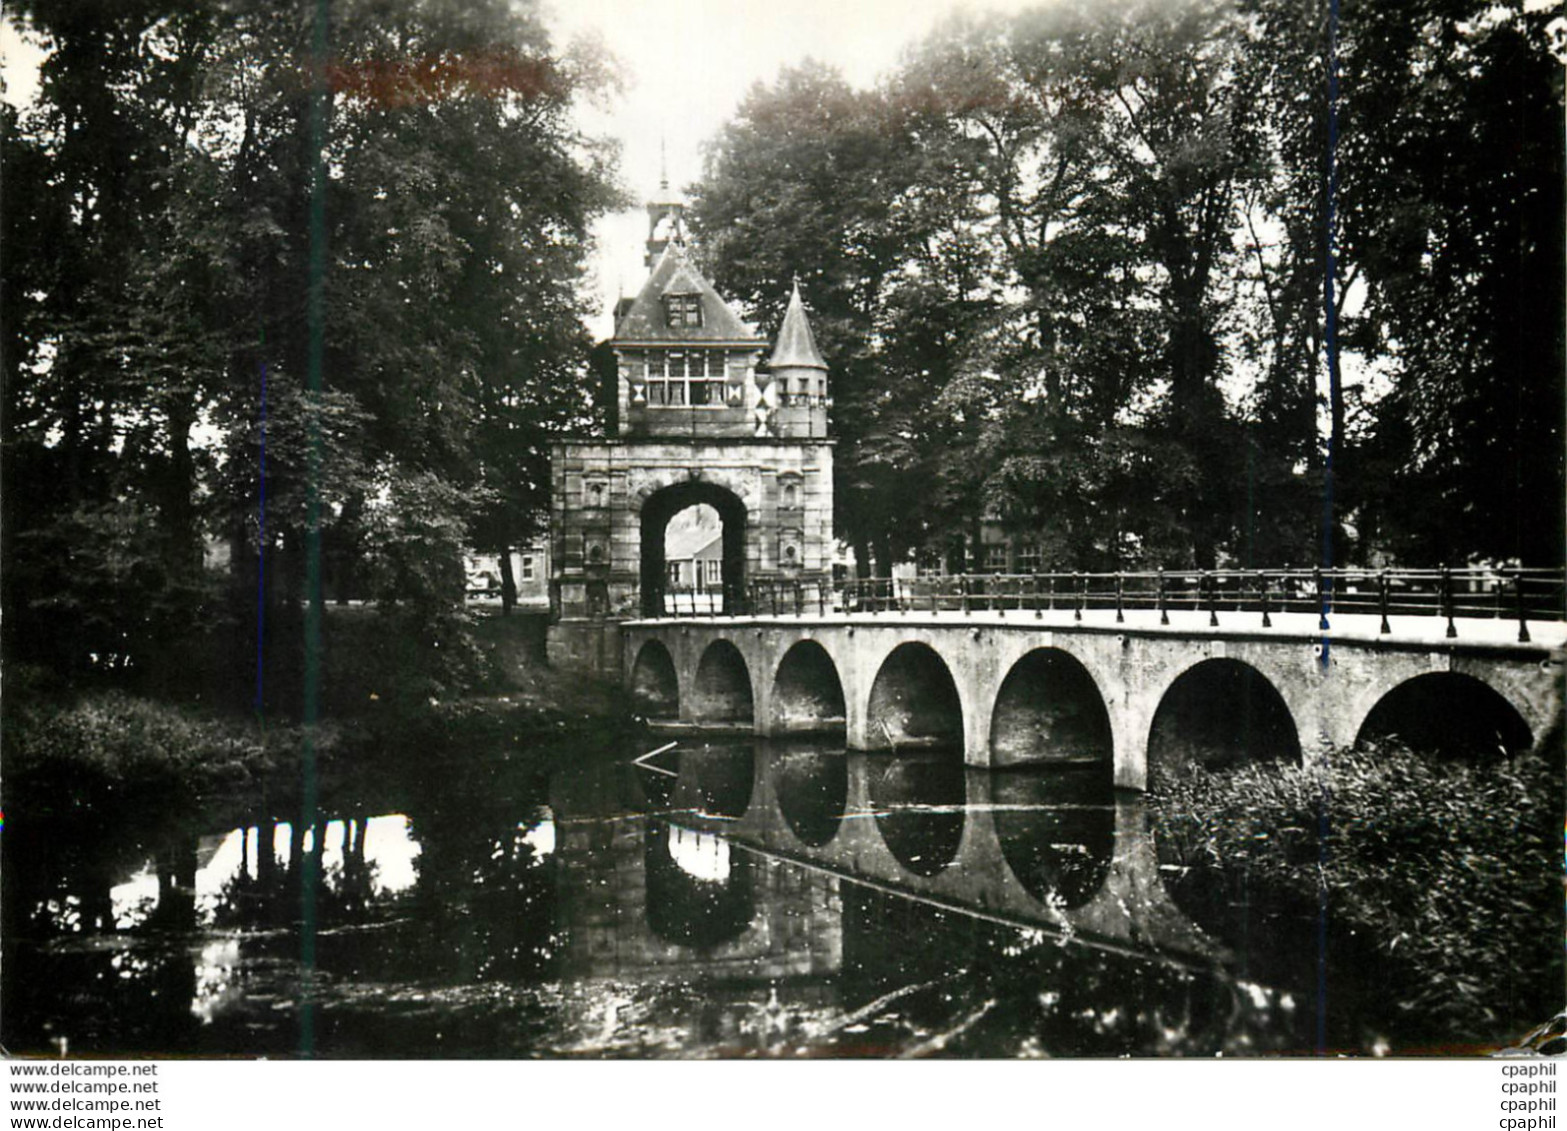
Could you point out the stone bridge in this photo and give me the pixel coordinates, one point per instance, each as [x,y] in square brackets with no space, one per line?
[1054,686]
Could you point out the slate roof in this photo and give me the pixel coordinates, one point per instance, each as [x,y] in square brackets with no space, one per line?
[644,322]
[796,346]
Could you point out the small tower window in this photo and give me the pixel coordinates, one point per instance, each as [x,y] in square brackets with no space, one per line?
[683,310]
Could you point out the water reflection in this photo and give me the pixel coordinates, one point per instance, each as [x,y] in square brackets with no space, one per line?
[812,787]
[716,780]
[738,899]
[1056,830]
[699,894]
[919,798]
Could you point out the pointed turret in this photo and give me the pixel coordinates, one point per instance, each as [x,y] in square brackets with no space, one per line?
[799,374]
[796,345]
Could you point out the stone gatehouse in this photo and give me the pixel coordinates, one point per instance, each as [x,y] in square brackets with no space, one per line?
[707,415]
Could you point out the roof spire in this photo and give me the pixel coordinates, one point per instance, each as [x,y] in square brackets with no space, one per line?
[796,345]
[663,166]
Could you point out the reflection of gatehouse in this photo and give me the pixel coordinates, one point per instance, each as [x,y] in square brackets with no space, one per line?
[698,420]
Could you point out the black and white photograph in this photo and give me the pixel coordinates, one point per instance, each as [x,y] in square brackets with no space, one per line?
[797,530]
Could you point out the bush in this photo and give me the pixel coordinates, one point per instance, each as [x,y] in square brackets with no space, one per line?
[1450,871]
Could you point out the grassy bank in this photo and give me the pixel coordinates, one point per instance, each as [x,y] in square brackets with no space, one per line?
[1447,876]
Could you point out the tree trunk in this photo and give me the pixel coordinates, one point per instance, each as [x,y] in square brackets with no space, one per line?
[508,583]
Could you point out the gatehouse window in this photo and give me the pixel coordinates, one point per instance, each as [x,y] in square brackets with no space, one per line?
[686,377]
[683,310]
[527,567]
[1028,558]
[996,557]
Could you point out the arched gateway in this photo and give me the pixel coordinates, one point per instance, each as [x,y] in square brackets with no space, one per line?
[699,418]
[658,596]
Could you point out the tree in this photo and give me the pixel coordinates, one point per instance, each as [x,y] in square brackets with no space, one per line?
[1452,202]
[815,181]
[284,290]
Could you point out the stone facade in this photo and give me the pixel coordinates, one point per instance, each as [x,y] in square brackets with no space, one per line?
[701,420]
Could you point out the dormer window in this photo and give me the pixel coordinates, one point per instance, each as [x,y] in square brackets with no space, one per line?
[683,310]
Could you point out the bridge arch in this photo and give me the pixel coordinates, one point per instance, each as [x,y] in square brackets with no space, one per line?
[913,701]
[662,505]
[655,686]
[807,691]
[1221,712]
[1451,714]
[721,691]
[1049,709]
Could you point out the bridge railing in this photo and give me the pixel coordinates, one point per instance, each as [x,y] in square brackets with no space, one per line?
[1520,595]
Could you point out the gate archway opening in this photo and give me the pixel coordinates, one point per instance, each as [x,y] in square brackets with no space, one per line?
[1049,711]
[1218,714]
[658,598]
[1447,714]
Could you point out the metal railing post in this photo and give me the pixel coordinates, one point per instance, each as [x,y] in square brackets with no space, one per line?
[1082,594]
[1523,623]
[1262,586]
[1322,601]
[1120,594]
[963,592]
[1164,613]
[1211,583]
[1383,586]
[1447,601]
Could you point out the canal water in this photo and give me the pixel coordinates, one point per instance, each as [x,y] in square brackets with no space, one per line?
[701,899]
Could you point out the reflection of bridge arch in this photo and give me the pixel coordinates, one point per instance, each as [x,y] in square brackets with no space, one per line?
[1221,712]
[812,788]
[1049,709]
[715,781]
[655,686]
[918,801]
[1447,713]
[807,691]
[1093,874]
[721,691]
[1056,831]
